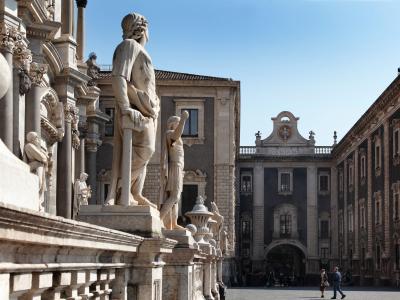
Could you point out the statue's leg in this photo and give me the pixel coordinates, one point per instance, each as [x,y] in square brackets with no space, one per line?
[143,149]
[174,216]
[167,206]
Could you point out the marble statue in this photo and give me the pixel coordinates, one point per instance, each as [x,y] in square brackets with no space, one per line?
[82,192]
[93,69]
[5,76]
[38,159]
[173,170]
[220,221]
[137,108]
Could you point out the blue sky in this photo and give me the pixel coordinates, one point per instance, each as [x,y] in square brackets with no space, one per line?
[324,60]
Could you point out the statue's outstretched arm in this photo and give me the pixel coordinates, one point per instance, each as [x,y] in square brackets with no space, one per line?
[177,133]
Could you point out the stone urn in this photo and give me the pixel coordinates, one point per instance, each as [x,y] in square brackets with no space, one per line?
[200,216]
[5,76]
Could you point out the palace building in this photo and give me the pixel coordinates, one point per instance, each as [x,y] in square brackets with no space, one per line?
[303,207]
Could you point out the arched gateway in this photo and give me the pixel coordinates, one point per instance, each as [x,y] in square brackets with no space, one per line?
[286,263]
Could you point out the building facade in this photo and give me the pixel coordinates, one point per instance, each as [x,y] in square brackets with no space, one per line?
[302,207]
[284,204]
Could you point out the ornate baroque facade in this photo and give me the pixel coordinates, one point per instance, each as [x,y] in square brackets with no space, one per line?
[56,124]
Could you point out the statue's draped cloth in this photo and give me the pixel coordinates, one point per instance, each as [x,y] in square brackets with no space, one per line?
[132,62]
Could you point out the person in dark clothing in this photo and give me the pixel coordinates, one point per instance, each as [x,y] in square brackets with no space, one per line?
[337,280]
[324,282]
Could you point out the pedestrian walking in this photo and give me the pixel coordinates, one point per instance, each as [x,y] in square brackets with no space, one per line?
[324,282]
[337,281]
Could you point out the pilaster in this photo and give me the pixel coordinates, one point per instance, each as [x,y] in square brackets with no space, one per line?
[312,212]
[345,213]
[334,214]
[356,224]
[369,200]
[386,199]
[258,213]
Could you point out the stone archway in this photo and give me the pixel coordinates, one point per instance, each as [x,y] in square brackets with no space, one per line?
[287,262]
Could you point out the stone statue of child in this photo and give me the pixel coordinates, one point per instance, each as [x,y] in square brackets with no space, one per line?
[38,159]
[173,170]
[82,192]
[134,86]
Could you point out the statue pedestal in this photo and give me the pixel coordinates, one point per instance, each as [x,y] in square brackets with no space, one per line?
[139,220]
[183,277]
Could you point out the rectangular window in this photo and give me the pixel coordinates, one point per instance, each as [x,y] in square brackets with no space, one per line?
[109,126]
[246,185]
[363,173]
[341,181]
[246,228]
[324,252]
[350,219]
[286,225]
[285,182]
[362,216]
[350,175]
[323,183]
[191,125]
[377,212]
[377,157]
[324,230]
[378,257]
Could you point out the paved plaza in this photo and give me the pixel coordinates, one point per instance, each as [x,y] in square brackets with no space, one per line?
[309,293]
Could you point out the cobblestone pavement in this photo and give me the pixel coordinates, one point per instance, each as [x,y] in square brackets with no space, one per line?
[310,294]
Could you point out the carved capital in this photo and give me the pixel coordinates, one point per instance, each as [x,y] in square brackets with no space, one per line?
[36,72]
[22,56]
[81,3]
[70,111]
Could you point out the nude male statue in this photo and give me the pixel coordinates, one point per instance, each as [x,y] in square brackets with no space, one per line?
[37,158]
[173,170]
[133,82]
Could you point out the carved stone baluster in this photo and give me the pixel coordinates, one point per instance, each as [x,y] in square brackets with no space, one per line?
[40,283]
[77,280]
[84,291]
[61,280]
[20,284]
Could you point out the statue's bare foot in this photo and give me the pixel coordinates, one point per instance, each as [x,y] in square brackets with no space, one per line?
[109,202]
[179,227]
[143,201]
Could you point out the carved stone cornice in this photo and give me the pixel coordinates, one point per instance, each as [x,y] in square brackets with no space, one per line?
[36,72]
[81,3]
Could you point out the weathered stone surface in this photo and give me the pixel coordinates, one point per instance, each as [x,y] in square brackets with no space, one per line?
[13,172]
[141,220]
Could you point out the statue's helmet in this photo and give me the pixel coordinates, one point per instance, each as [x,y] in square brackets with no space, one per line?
[134,26]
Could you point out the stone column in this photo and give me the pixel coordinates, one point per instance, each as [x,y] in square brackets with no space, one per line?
[334,214]
[80,32]
[91,158]
[312,213]
[345,224]
[386,199]
[67,17]
[369,199]
[32,99]
[64,167]
[258,214]
[6,103]
[356,225]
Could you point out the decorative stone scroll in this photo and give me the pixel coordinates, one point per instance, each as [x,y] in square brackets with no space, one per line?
[71,113]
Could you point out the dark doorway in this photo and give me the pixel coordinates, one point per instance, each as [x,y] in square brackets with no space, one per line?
[286,266]
[189,195]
